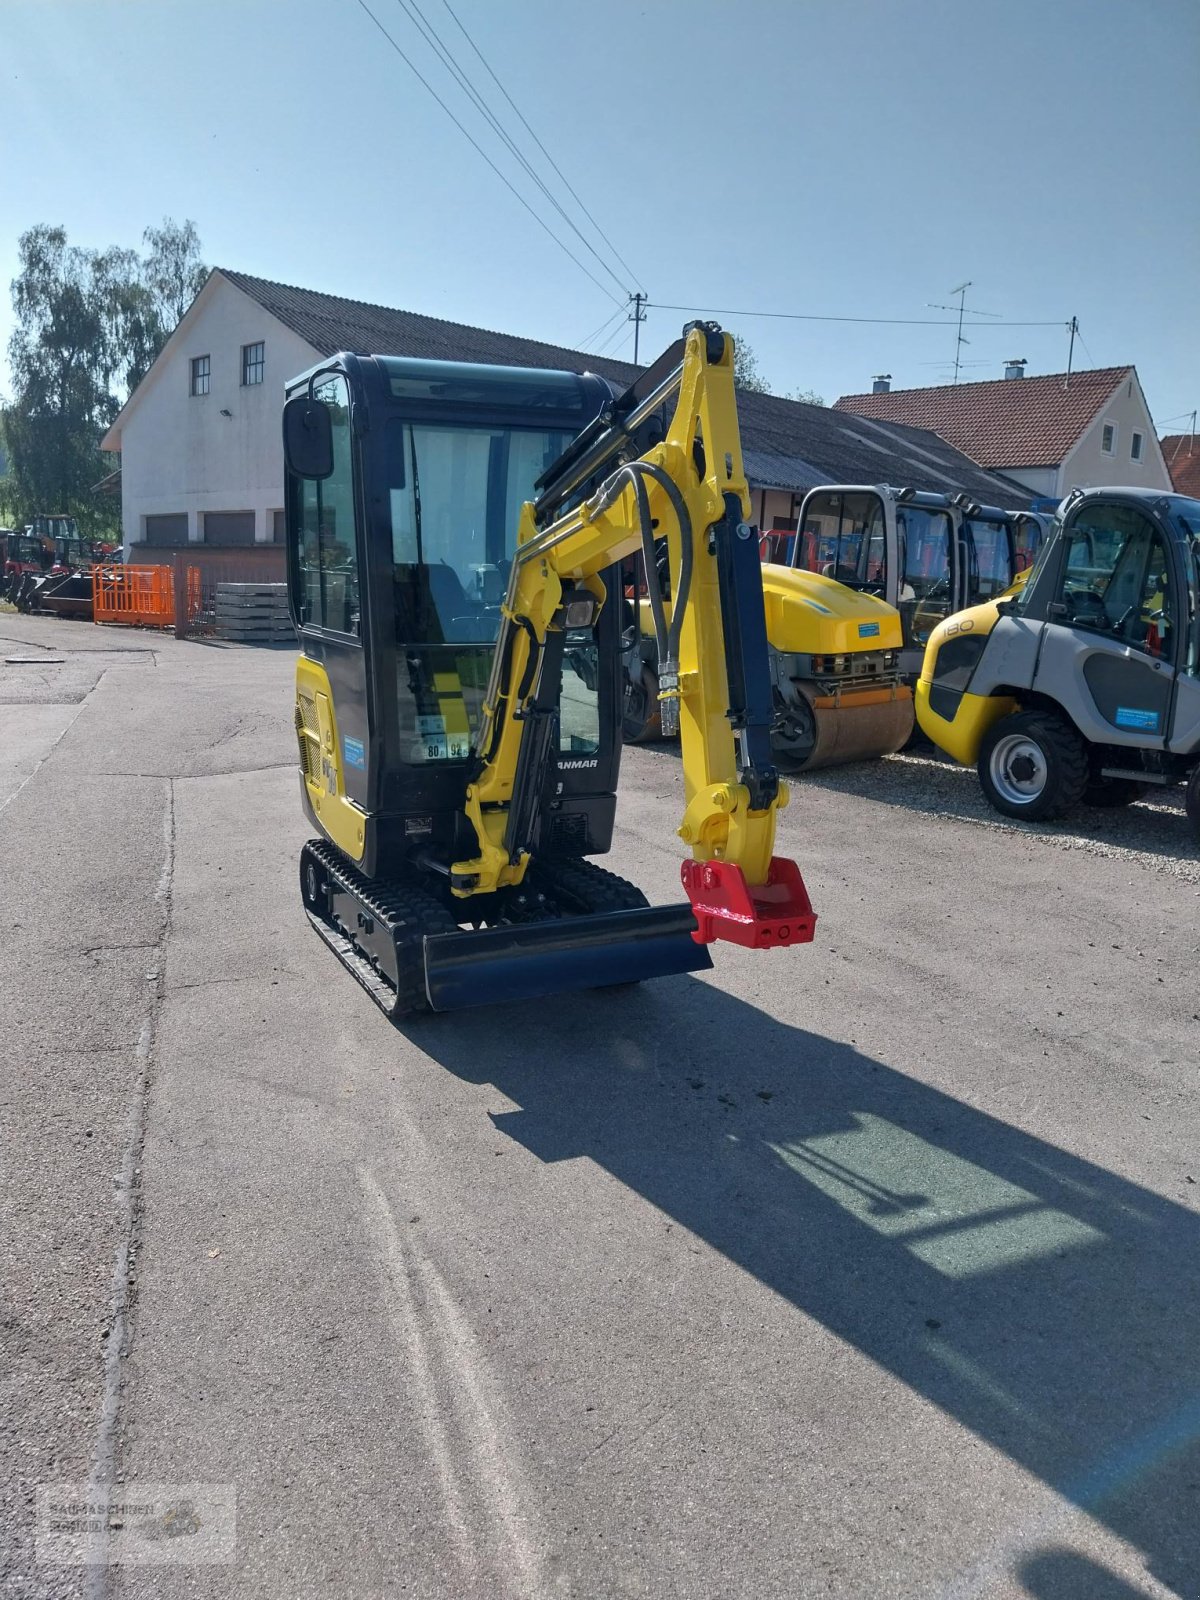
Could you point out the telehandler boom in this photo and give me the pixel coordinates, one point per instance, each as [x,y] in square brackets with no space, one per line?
[458,697]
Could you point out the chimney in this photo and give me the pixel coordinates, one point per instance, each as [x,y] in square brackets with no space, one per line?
[1015,368]
[881,383]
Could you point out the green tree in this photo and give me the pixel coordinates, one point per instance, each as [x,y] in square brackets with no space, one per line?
[173,271]
[61,354]
[745,368]
[809,397]
[89,323]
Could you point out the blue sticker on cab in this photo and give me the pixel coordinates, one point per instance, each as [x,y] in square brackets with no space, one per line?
[868,630]
[354,752]
[1135,717]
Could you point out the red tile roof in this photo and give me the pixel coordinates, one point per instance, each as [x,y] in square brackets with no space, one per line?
[1181,452]
[1008,422]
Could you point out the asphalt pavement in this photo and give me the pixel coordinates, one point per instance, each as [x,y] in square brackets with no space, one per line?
[869,1269]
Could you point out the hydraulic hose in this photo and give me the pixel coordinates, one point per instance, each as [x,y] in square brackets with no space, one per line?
[666,637]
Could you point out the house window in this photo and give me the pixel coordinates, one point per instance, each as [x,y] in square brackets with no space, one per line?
[252,363]
[1135,447]
[1108,439]
[200,371]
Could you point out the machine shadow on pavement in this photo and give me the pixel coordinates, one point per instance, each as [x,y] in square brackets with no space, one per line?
[1048,1305]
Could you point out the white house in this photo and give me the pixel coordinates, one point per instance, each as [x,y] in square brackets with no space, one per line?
[199,438]
[1054,432]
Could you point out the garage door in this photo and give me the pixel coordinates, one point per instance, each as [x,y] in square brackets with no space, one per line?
[167,529]
[229,527]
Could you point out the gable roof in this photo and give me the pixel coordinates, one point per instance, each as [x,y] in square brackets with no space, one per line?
[786,444]
[1181,452]
[1005,422]
[331,323]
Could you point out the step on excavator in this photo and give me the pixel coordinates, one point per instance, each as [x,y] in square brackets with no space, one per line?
[852,595]
[1085,685]
[454,541]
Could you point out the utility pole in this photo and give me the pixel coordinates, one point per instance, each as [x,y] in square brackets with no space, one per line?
[637,317]
[1074,327]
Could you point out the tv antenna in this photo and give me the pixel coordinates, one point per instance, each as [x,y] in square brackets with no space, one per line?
[959,341]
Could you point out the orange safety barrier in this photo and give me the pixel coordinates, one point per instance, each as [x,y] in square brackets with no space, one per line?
[142,596]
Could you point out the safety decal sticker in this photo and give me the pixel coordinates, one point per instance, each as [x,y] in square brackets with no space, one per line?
[1135,717]
[868,630]
[431,727]
[354,752]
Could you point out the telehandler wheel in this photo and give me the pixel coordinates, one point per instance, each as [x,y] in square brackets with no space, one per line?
[1033,765]
[1109,793]
[1192,801]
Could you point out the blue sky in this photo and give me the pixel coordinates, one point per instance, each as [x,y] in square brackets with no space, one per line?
[837,157]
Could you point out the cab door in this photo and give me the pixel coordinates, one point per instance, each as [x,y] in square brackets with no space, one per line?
[1112,631]
[928,576]
[325,558]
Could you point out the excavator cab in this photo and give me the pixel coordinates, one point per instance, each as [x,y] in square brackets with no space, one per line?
[398,562]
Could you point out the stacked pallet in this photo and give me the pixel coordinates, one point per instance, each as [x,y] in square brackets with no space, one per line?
[253,613]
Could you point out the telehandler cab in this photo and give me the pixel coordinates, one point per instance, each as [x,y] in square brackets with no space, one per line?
[458,696]
[1086,684]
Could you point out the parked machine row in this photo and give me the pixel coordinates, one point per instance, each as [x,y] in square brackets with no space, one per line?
[852,597]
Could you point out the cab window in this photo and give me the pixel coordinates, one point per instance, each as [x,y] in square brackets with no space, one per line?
[1117,579]
[993,558]
[843,538]
[327,552]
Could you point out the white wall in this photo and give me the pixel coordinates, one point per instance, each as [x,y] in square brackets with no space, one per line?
[1087,466]
[1038,480]
[178,453]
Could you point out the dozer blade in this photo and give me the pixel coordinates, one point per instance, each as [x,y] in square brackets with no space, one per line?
[533,960]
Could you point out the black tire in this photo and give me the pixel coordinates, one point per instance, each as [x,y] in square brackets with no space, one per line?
[1191,800]
[1111,793]
[1033,765]
[641,720]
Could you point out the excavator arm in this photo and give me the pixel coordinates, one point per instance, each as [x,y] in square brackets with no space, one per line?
[600,504]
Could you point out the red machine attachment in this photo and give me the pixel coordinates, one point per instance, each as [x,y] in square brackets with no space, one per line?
[725,906]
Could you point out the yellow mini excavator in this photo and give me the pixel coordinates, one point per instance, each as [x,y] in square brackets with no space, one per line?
[458,695]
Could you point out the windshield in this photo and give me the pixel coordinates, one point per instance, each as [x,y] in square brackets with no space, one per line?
[455,495]
[843,538]
[992,561]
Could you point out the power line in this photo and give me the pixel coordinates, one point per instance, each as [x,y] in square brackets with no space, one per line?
[596,332]
[896,322]
[616,253]
[541,222]
[431,36]
[611,340]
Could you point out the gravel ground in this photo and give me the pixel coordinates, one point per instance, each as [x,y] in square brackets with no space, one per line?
[1154,832]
